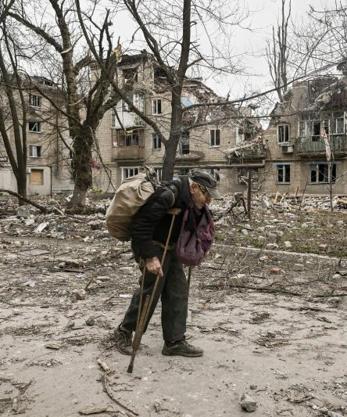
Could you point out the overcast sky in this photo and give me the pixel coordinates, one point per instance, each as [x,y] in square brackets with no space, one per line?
[263,15]
[250,44]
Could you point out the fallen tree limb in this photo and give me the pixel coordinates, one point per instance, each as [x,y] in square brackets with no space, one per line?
[330,295]
[26,200]
[106,387]
[249,287]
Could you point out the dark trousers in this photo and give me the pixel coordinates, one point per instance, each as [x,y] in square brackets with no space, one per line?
[173,290]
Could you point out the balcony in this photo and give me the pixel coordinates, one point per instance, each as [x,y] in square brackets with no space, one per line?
[254,152]
[128,145]
[315,146]
[189,156]
[132,152]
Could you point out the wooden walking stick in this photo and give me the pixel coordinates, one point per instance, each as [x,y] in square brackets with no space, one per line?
[144,311]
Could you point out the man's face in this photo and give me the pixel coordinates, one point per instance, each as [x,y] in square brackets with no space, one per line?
[199,195]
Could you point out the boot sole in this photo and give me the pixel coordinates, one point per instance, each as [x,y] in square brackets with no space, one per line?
[123,351]
[186,355]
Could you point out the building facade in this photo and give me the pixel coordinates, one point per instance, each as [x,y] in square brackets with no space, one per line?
[48,158]
[307,141]
[126,143]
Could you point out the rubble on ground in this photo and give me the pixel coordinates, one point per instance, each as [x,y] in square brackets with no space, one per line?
[268,306]
[278,222]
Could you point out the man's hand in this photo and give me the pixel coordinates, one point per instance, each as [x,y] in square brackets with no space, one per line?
[153,266]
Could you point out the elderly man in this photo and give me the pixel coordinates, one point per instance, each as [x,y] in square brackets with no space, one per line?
[149,232]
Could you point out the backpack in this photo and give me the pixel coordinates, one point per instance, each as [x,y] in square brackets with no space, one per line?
[195,239]
[130,196]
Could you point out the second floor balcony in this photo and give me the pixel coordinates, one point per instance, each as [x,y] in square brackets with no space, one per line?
[315,145]
[189,155]
[251,152]
[128,145]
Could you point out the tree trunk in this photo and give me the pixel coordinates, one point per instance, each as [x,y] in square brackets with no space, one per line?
[81,167]
[21,180]
[175,134]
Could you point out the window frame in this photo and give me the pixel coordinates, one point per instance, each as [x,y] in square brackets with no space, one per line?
[157,106]
[38,152]
[318,173]
[32,100]
[285,127]
[215,138]
[33,123]
[156,142]
[336,117]
[283,167]
[136,170]
[184,143]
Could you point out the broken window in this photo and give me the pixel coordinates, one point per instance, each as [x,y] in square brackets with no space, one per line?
[315,130]
[156,141]
[127,138]
[129,172]
[34,151]
[186,102]
[240,137]
[156,106]
[34,127]
[215,137]
[319,173]
[130,74]
[283,133]
[283,173]
[132,138]
[36,177]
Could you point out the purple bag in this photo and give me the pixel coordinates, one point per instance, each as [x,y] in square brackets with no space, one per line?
[195,239]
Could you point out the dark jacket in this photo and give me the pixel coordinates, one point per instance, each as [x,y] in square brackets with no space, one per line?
[151,223]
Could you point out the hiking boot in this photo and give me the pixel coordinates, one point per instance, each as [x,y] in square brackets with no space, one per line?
[123,341]
[181,348]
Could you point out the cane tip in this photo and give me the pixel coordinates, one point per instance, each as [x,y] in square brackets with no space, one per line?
[130,369]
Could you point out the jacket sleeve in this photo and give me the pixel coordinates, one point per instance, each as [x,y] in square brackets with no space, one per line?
[146,220]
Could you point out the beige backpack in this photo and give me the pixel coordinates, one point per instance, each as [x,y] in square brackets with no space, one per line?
[129,197]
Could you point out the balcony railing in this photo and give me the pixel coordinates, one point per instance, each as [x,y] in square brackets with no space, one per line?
[132,152]
[190,156]
[316,145]
[255,152]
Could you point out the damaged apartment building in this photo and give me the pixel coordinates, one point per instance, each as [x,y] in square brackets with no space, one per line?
[213,137]
[306,138]
[44,132]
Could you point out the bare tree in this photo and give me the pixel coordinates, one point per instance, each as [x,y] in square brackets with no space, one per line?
[57,40]
[277,52]
[13,110]
[322,41]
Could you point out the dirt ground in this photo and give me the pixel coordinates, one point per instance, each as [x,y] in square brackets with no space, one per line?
[272,324]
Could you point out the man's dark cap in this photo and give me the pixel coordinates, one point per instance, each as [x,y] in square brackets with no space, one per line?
[207,180]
